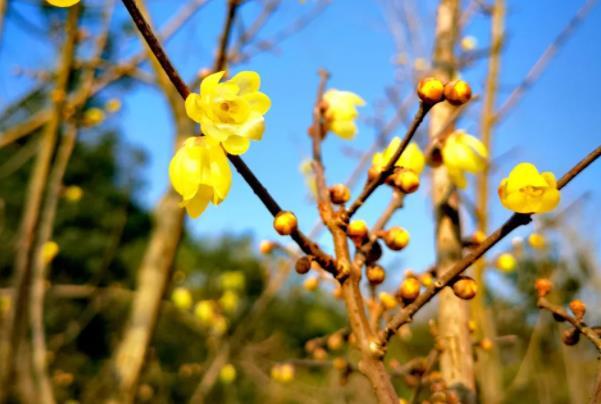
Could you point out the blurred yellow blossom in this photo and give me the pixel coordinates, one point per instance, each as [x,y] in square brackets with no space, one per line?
[283,373]
[230,112]
[227,374]
[113,105]
[463,153]
[200,173]
[182,298]
[341,112]
[232,280]
[50,250]
[412,157]
[506,262]
[229,301]
[73,193]
[537,241]
[93,116]
[205,311]
[469,43]
[526,190]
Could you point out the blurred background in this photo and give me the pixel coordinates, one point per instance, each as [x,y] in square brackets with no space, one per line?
[228,315]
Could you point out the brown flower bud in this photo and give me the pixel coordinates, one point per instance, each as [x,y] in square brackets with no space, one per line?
[339,194]
[285,223]
[543,286]
[465,288]
[303,265]
[406,181]
[430,90]
[372,173]
[396,238]
[578,308]
[374,253]
[457,92]
[570,337]
[486,344]
[335,341]
[409,290]
[375,274]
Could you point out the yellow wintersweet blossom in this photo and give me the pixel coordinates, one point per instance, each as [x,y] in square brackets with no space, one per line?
[73,193]
[182,298]
[62,3]
[50,250]
[200,173]
[306,169]
[463,153]
[526,190]
[230,112]
[113,105]
[412,157]
[341,111]
[506,262]
[227,374]
[93,116]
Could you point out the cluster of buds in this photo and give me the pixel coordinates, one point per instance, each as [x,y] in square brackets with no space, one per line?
[431,90]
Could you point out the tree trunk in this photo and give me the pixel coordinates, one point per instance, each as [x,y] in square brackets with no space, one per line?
[456,361]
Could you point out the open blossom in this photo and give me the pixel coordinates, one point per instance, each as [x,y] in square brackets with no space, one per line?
[341,112]
[526,190]
[230,112]
[412,157]
[463,153]
[200,173]
[62,3]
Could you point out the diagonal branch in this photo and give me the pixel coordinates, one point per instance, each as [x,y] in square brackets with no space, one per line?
[516,220]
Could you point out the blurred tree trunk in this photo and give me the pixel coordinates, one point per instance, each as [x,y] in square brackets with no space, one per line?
[155,270]
[489,366]
[456,360]
[15,326]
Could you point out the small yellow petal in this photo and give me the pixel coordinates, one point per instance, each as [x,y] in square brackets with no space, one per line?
[236,145]
[62,3]
[345,129]
[247,82]
[209,83]
[198,204]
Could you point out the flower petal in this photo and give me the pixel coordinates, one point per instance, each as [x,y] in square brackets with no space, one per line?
[236,144]
[193,107]
[259,102]
[198,204]
[345,129]
[247,82]
[209,84]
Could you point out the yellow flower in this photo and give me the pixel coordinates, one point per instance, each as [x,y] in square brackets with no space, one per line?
[526,190]
[506,262]
[469,43]
[232,280]
[229,301]
[230,112]
[205,311]
[50,250]
[181,298]
[73,193]
[200,173]
[62,3]
[412,157]
[463,153]
[341,112]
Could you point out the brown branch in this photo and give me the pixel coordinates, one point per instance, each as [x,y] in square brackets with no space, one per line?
[308,246]
[580,325]
[371,186]
[221,60]
[516,220]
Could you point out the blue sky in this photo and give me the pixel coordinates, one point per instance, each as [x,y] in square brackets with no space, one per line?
[555,124]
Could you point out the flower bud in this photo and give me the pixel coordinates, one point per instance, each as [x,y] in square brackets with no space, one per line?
[465,288]
[320,354]
[340,363]
[339,194]
[578,308]
[372,173]
[303,265]
[227,374]
[285,223]
[267,247]
[537,241]
[396,238]
[426,279]
[570,337]
[311,284]
[387,300]
[409,290]
[457,92]
[486,344]
[374,253]
[375,274]
[181,298]
[406,181]
[478,237]
[335,341]
[430,90]
[543,286]
[357,230]
[73,193]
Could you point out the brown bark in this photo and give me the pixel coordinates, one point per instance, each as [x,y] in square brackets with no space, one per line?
[456,360]
[15,326]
